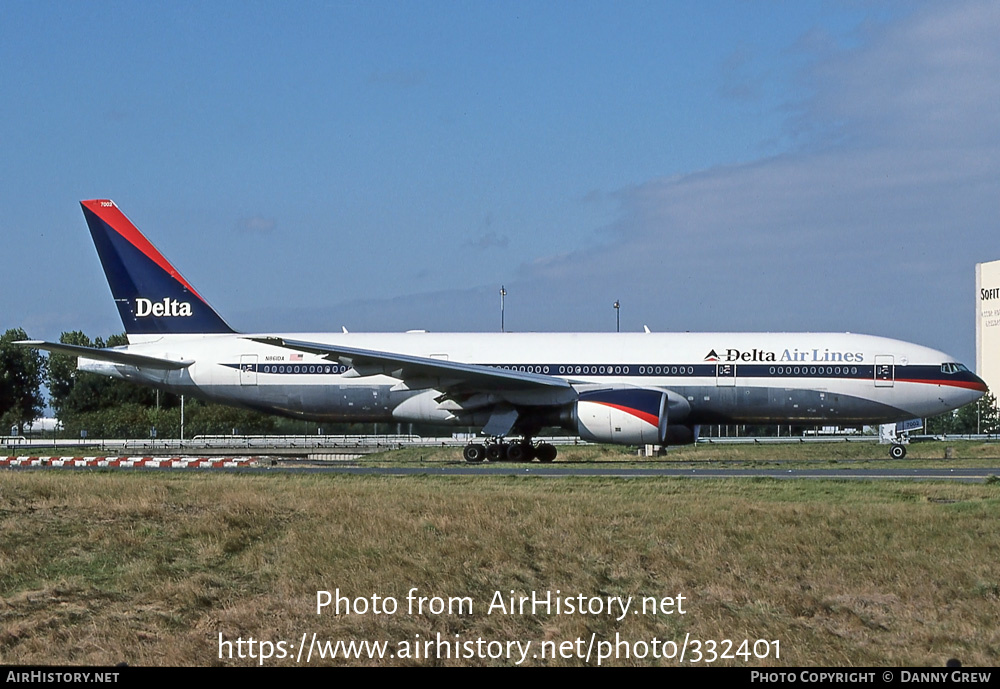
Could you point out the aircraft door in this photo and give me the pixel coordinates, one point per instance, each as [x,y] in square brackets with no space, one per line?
[725,375]
[885,371]
[248,369]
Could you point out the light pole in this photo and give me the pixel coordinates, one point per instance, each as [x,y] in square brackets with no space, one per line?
[503,293]
[618,317]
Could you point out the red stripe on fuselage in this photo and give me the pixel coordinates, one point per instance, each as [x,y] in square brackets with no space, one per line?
[968,384]
[107,211]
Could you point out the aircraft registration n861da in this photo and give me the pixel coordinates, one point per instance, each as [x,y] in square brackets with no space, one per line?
[627,388]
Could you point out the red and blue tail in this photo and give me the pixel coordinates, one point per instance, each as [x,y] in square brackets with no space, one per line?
[152,297]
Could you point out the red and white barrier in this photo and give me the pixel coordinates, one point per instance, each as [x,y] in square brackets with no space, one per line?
[130,462]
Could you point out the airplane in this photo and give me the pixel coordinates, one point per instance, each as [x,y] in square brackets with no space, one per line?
[623,388]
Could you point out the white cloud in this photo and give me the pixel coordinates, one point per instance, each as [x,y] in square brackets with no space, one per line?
[929,80]
[875,225]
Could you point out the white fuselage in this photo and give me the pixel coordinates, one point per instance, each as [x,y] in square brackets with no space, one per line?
[721,377]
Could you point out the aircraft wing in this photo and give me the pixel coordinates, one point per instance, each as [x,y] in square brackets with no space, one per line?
[418,372]
[115,356]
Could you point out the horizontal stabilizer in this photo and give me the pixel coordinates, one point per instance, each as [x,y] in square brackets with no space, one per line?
[115,356]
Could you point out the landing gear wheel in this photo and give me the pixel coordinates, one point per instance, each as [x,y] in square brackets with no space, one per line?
[897,451]
[474,453]
[520,452]
[545,452]
[497,452]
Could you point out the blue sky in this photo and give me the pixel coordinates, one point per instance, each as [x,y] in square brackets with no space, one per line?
[387,166]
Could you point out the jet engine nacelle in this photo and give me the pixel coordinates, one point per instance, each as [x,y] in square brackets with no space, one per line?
[632,416]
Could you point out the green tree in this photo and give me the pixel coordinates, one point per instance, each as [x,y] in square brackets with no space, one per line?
[981,416]
[21,370]
[76,393]
[61,373]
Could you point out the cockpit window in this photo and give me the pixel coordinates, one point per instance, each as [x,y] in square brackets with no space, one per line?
[951,368]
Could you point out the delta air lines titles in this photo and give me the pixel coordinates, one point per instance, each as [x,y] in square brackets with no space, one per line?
[807,355]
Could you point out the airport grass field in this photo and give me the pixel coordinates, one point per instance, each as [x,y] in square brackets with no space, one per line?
[959,453]
[160,568]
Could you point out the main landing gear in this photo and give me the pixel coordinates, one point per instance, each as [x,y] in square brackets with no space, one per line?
[517,451]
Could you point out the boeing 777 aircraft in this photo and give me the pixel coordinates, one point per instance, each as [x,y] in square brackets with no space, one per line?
[626,388]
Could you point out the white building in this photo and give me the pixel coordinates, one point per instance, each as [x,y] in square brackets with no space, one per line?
[988,323]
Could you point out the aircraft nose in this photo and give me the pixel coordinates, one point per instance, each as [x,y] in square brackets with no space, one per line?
[961,386]
[980,384]
[971,388]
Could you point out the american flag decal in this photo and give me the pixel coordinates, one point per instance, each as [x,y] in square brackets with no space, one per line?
[295,357]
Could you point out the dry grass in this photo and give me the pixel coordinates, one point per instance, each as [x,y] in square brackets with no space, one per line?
[96,568]
[923,454]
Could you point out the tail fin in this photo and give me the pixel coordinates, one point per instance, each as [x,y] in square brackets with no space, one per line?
[152,297]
